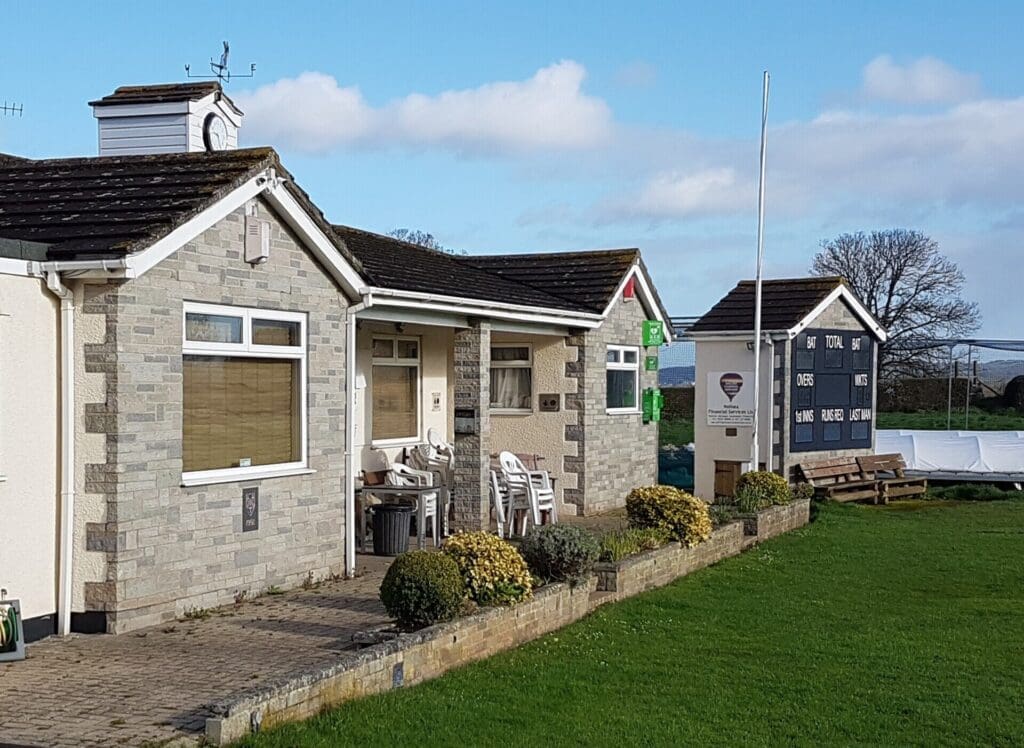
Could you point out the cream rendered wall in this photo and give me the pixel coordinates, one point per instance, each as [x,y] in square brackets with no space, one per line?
[29,443]
[435,376]
[537,432]
[710,441]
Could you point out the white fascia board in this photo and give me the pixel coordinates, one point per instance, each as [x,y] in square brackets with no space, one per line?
[139,263]
[413,317]
[841,291]
[139,110]
[476,308]
[10,266]
[646,298]
[315,239]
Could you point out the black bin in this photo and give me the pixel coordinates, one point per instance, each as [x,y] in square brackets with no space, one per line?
[391,529]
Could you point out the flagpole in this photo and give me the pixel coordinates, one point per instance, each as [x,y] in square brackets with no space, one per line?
[755,447]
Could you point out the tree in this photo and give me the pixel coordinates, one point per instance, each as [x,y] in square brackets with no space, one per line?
[423,239]
[913,290]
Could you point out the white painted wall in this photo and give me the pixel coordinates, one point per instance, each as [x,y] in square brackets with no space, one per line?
[710,442]
[29,443]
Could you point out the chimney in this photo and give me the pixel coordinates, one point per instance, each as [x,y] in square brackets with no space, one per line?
[167,118]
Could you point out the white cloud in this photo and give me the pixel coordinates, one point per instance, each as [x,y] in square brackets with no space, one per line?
[970,155]
[548,111]
[674,194]
[926,80]
[638,74]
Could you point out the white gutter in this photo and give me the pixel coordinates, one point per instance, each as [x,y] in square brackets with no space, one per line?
[496,309]
[67,447]
[350,433]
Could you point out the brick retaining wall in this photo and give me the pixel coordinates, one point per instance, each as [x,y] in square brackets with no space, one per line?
[431,652]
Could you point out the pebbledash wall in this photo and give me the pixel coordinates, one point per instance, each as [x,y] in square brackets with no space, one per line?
[616,452]
[166,548]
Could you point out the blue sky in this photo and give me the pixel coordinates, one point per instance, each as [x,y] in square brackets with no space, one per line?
[550,126]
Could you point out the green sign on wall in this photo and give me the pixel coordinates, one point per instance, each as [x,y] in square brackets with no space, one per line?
[650,363]
[654,332]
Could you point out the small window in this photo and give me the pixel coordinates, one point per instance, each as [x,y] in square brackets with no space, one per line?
[213,328]
[861,352]
[395,389]
[805,360]
[622,379]
[804,396]
[512,378]
[833,358]
[833,432]
[275,332]
[860,430]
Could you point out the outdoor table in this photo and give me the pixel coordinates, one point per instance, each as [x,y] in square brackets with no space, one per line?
[398,493]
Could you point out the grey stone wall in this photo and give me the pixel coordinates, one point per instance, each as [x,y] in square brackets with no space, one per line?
[171,548]
[472,364]
[619,451]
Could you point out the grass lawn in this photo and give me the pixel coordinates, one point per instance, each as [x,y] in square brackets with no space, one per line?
[897,625]
[930,421]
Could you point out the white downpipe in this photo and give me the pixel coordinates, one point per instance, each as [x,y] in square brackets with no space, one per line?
[350,434]
[67,447]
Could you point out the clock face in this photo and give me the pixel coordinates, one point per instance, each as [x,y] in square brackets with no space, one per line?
[215,133]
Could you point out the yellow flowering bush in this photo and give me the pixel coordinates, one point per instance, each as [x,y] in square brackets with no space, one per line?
[686,518]
[493,570]
[760,489]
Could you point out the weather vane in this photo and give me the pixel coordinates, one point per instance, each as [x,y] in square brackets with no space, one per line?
[220,69]
[11,109]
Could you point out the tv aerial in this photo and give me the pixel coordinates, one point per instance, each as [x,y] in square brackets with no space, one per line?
[220,69]
[14,110]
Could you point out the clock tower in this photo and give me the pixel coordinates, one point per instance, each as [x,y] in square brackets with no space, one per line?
[168,118]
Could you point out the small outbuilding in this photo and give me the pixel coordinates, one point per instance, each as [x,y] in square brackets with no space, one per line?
[819,351]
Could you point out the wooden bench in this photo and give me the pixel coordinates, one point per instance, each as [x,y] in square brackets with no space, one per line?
[840,479]
[896,484]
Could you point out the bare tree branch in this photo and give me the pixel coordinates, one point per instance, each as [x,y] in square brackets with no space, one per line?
[912,289]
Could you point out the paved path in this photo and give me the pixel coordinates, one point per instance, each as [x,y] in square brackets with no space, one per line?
[153,685]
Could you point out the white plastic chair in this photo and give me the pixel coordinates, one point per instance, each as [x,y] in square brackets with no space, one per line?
[500,501]
[532,485]
[403,475]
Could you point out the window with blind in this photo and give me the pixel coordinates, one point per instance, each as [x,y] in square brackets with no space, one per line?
[243,373]
[512,378]
[395,388]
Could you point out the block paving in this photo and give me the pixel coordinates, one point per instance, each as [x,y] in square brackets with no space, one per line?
[152,685]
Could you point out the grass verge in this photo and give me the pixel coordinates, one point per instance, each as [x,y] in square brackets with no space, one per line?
[895,625]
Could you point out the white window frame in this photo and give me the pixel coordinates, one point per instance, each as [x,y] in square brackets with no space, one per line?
[248,349]
[621,365]
[394,360]
[528,364]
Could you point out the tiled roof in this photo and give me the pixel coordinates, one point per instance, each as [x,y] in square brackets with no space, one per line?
[160,94]
[391,263]
[95,208]
[587,280]
[784,304]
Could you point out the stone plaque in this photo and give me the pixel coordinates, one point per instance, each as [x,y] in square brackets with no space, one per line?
[250,509]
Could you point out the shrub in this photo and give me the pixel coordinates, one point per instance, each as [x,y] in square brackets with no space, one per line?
[684,517]
[494,572]
[763,487]
[618,544]
[560,553]
[422,588]
[803,491]
[722,514]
